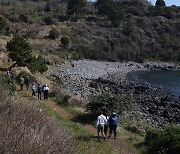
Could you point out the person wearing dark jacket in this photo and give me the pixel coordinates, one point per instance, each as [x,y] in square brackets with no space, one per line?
[39,91]
[113,122]
[27,82]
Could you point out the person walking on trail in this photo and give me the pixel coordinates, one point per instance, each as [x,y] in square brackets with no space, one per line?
[101,120]
[106,124]
[33,89]
[12,74]
[8,74]
[113,122]
[21,82]
[46,91]
[27,82]
[39,91]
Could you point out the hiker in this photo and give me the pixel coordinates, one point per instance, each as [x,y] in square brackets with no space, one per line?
[39,91]
[106,124]
[113,122]
[21,82]
[27,82]
[46,91]
[33,89]
[8,74]
[101,120]
[12,74]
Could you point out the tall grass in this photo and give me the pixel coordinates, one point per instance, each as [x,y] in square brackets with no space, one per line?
[26,129]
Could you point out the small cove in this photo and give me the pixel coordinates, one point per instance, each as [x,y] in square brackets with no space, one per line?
[168,80]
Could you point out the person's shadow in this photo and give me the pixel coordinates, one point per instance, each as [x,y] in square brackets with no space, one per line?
[87,137]
[85,118]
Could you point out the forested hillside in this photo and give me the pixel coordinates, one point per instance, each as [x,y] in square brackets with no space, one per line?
[104,30]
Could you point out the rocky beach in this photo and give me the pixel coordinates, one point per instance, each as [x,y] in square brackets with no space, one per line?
[152,105]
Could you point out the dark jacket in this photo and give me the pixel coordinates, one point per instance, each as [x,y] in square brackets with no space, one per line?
[113,120]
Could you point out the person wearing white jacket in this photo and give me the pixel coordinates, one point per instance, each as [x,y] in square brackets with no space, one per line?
[46,91]
[101,121]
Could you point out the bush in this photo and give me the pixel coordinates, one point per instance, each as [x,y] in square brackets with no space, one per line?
[110,102]
[23,18]
[76,101]
[65,41]
[37,65]
[53,34]
[48,21]
[3,24]
[8,83]
[63,18]
[163,141]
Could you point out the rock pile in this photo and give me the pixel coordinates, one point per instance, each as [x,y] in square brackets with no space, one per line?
[153,105]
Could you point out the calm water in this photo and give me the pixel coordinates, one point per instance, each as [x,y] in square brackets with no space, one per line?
[169,80]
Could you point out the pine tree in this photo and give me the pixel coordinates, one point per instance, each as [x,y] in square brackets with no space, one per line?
[76,7]
[160,3]
[19,50]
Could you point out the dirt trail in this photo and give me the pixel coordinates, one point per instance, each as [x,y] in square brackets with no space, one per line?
[120,147]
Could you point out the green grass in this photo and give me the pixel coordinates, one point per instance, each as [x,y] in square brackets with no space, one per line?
[86,142]
[132,139]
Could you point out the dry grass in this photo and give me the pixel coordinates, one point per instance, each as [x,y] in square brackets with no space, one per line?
[76,101]
[26,129]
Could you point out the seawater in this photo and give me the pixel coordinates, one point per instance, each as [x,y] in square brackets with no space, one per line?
[168,80]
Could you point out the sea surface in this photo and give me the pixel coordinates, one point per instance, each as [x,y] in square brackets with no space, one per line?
[168,80]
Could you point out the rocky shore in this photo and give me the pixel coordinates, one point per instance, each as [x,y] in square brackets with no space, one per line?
[152,105]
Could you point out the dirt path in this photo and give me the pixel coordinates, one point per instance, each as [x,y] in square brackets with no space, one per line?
[119,146]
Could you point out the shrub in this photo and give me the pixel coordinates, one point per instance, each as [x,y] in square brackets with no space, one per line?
[65,41]
[110,102]
[37,65]
[23,18]
[63,18]
[48,21]
[3,24]
[76,101]
[53,34]
[8,83]
[163,141]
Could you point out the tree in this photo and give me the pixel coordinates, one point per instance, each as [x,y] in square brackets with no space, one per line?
[76,7]
[160,3]
[19,50]
[112,9]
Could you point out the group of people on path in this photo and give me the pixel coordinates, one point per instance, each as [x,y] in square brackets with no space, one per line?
[39,88]
[104,122]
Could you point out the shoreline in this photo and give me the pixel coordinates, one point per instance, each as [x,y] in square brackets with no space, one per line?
[153,105]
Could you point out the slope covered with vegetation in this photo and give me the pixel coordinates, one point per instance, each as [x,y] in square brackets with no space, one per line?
[105,30]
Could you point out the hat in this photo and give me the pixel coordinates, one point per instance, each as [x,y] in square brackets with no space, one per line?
[114,113]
